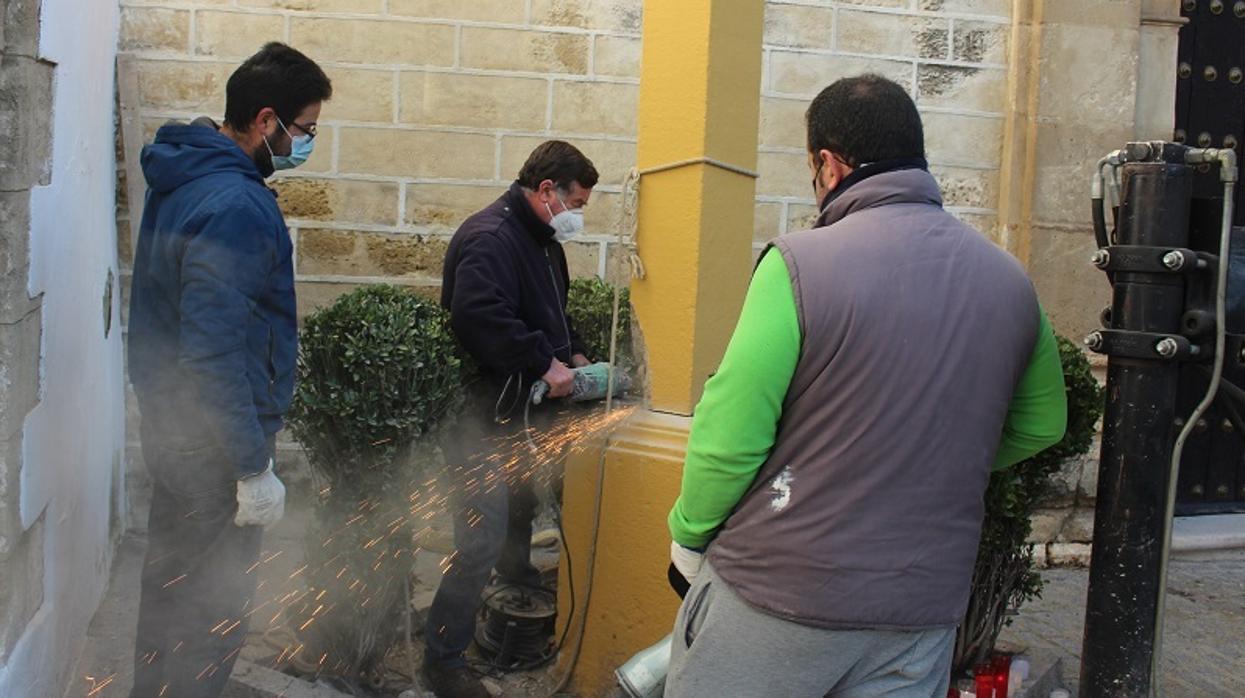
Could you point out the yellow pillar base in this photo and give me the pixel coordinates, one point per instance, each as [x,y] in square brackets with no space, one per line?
[631,604]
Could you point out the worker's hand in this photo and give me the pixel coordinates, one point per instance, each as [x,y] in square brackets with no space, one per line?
[261,499]
[560,379]
[579,361]
[686,561]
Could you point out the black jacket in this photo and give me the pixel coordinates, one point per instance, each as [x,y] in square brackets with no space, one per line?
[505,285]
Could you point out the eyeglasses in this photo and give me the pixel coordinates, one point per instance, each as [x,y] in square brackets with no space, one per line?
[309,129]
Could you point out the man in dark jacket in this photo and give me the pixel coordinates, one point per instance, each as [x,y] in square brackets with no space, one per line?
[212,346]
[505,285]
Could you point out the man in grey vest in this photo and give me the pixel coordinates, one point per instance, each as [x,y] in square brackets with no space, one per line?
[884,363]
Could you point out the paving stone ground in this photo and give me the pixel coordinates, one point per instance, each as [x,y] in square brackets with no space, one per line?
[1204,642]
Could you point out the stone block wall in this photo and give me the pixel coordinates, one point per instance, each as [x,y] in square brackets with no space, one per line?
[436,106]
[438,103]
[25,163]
[952,57]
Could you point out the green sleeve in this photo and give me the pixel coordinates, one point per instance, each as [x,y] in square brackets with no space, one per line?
[1038,413]
[737,419]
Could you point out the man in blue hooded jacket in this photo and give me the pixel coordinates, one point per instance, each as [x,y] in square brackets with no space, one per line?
[212,347]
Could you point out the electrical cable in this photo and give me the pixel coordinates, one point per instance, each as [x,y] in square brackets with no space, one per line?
[626,228]
[1227,173]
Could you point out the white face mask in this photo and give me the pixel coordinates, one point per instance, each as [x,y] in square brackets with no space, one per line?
[568,224]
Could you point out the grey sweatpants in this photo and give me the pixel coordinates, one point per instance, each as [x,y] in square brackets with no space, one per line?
[725,647]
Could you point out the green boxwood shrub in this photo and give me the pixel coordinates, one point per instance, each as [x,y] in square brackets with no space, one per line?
[1004,576]
[378,373]
[590,304]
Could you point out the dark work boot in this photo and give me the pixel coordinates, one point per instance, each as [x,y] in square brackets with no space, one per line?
[453,681]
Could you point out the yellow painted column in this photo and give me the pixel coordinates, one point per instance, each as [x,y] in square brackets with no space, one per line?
[699,105]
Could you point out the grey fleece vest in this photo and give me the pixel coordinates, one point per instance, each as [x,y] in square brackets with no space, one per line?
[916,330]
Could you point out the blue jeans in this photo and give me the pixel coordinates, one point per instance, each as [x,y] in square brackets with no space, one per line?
[492,529]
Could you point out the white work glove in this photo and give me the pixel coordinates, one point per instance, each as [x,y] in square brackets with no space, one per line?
[261,499]
[686,561]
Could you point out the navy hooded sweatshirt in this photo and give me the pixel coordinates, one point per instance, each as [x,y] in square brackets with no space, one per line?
[213,330]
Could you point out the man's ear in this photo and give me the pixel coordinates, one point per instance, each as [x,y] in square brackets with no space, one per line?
[265,122]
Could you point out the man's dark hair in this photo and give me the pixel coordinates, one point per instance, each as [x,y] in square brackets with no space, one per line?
[279,77]
[865,119]
[558,161]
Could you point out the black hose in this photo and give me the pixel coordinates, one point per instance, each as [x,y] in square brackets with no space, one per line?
[1100,224]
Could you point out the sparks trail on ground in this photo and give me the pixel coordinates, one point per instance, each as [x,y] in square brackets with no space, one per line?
[374,528]
[97,685]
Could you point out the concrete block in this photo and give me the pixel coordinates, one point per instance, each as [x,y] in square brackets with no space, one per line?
[979,89]
[766,221]
[893,35]
[798,26]
[485,101]
[782,122]
[806,74]
[1047,525]
[315,295]
[351,6]
[402,153]
[397,255]
[25,122]
[19,370]
[15,303]
[980,42]
[595,108]
[583,259]
[956,138]
[19,27]
[985,223]
[1068,554]
[878,3]
[155,29]
[1062,490]
[1096,69]
[349,253]
[624,16]
[601,214]
[1114,14]
[1079,528]
[442,208]
[343,201]
[372,41]
[360,95]
[508,11]
[969,188]
[1072,301]
[234,34]
[611,158]
[21,584]
[784,174]
[528,51]
[801,216]
[996,8]
[322,157]
[616,56]
[183,86]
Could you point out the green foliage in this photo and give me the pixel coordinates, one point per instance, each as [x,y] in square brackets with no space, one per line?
[378,371]
[1004,576]
[591,306]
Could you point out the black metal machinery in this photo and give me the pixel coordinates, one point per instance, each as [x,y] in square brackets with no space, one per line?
[1175,338]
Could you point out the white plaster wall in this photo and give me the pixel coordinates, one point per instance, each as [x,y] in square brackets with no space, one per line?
[76,434]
